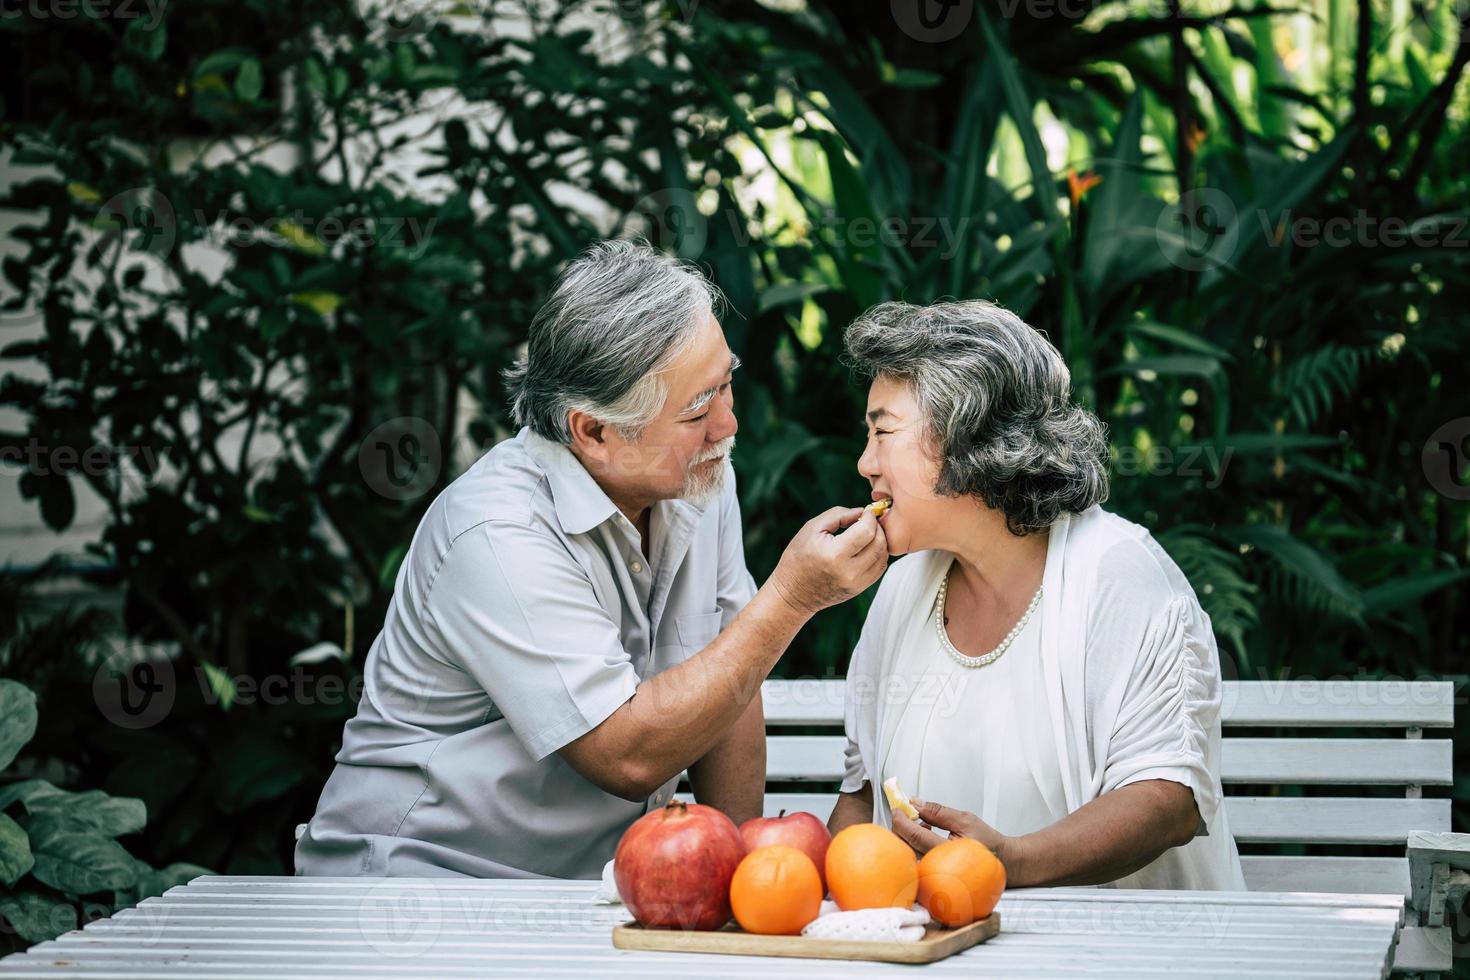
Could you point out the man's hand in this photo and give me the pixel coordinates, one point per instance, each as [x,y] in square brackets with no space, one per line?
[834,556]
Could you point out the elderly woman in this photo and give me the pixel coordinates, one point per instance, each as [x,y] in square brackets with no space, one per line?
[1036,672]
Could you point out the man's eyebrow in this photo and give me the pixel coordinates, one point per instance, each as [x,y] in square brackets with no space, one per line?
[708,395]
[879,413]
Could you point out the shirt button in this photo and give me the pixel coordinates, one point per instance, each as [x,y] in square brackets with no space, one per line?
[637,567]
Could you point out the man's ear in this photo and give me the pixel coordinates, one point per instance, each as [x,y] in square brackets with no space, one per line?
[589,436]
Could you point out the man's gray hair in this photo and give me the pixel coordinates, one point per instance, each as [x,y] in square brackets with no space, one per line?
[619,315]
[996,399]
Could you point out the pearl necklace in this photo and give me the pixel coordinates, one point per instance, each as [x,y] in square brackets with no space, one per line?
[993,655]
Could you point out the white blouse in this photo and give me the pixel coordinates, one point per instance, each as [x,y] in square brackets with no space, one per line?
[984,743]
[1125,687]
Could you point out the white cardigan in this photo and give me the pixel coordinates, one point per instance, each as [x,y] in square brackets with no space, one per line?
[1136,692]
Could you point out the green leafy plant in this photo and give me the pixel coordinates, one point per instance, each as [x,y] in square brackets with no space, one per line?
[60,862]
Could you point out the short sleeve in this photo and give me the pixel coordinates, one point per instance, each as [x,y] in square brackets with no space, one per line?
[735,585]
[518,613]
[1170,708]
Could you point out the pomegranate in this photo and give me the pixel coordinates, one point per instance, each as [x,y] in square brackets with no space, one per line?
[673,866]
[801,830]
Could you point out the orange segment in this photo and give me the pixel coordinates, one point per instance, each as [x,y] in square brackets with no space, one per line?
[898,800]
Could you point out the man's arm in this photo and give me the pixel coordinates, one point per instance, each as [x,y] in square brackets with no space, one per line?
[732,775]
[677,716]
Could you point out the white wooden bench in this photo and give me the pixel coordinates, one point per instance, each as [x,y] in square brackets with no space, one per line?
[1400,757]
[803,771]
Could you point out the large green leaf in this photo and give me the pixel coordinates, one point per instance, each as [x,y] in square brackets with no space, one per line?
[1020,107]
[1404,590]
[17,719]
[1178,337]
[79,862]
[15,851]
[1114,205]
[966,181]
[92,810]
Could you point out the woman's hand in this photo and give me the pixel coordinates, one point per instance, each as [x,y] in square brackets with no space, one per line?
[921,836]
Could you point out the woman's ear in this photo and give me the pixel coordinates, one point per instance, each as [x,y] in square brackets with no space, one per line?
[589,436]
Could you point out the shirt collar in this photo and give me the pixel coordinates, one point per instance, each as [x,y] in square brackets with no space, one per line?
[580,503]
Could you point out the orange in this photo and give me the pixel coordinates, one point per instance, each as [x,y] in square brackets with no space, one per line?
[960,881]
[870,867]
[776,891]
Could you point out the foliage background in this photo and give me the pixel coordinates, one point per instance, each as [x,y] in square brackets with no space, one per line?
[1137,178]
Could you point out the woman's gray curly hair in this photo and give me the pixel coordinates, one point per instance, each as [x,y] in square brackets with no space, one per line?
[996,397]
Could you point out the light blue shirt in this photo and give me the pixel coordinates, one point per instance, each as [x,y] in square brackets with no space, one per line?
[524,614]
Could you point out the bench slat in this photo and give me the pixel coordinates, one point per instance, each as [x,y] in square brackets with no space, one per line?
[1361,761]
[1320,820]
[1301,703]
[1342,875]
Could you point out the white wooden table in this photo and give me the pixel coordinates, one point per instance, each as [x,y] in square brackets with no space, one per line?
[282,927]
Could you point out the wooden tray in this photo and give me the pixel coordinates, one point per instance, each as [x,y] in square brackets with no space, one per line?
[733,941]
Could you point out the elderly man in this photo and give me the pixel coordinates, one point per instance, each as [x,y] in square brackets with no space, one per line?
[574,625]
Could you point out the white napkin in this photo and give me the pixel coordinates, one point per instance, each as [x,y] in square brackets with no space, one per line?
[607,891]
[880,925]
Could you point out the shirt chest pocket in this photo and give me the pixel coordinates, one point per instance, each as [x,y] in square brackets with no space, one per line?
[696,630]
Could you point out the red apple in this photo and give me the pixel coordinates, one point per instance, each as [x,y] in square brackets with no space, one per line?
[673,866]
[801,830]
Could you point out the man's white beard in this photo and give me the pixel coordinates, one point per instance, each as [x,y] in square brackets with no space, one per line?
[702,488]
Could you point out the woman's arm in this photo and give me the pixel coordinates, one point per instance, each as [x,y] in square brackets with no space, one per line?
[851,808]
[1114,835]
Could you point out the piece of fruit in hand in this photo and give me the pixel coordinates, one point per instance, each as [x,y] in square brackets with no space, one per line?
[880,507]
[898,800]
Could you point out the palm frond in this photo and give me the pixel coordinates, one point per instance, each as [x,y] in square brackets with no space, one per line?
[1217,575]
[1314,383]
